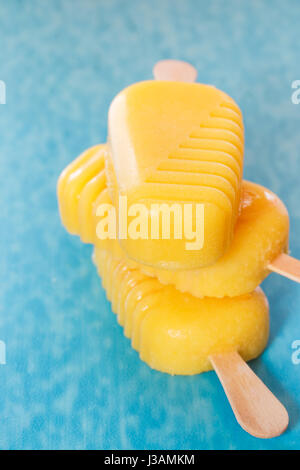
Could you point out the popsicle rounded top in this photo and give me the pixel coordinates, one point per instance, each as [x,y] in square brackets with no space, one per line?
[149,122]
[177,142]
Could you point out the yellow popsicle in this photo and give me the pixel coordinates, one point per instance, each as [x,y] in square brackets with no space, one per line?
[78,186]
[176,332]
[177,143]
[261,232]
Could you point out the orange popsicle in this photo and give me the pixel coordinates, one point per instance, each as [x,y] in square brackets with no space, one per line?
[177,143]
[260,236]
[175,332]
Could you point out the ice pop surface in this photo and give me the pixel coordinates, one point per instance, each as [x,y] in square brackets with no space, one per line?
[176,332]
[261,232]
[173,142]
[78,187]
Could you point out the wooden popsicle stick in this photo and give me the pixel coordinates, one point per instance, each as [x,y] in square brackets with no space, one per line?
[255,407]
[287,266]
[174,70]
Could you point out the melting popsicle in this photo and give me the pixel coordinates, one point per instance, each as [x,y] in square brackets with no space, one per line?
[260,236]
[179,144]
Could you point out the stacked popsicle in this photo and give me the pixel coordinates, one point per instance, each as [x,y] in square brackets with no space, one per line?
[179,145]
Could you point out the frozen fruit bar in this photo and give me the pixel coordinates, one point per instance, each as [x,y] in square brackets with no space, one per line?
[176,332]
[177,143]
[260,235]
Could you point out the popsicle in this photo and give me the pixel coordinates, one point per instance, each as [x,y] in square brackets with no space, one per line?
[175,332]
[178,143]
[181,334]
[260,236]
[77,187]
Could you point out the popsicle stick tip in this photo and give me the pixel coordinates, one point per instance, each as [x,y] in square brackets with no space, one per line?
[174,70]
[255,407]
[286,266]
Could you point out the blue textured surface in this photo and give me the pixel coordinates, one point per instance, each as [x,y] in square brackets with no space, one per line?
[71,378]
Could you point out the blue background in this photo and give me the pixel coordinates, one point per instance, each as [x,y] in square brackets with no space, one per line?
[72,380]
